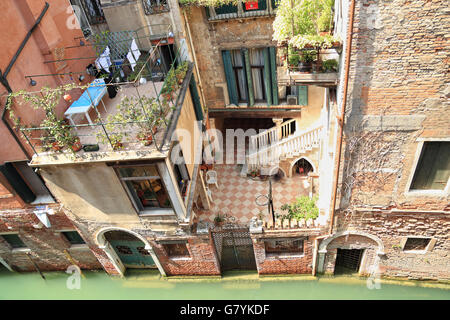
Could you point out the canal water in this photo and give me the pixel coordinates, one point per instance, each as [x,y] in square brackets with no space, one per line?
[233,286]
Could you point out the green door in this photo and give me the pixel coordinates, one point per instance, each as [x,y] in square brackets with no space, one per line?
[133,254]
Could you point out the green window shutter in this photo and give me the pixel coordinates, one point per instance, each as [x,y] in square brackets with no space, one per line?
[433,169]
[267,82]
[226,8]
[273,71]
[229,74]
[302,92]
[196,99]
[248,72]
[73,237]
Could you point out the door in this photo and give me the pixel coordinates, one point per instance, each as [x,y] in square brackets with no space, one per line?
[130,250]
[348,261]
[235,249]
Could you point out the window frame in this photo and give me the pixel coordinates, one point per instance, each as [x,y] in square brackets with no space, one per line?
[428,248]
[169,242]
[428,193]
[17,249]
[149,7]
[144,211]
[288,254]
[73,245]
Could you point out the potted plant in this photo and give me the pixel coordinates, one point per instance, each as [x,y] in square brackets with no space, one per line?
[219,219]
[330,65]
[306,59]
[77,146]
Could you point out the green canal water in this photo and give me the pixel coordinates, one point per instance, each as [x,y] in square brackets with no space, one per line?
[233,286]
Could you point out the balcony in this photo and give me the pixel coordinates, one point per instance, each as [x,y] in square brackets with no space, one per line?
[127,116]
[312,64]
[252,9]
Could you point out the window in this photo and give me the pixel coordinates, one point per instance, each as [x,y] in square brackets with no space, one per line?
[176,249]
[26,182]
[155,6]
[93,11]
[284,247]
[14,241]
[180,169]
[73,237]
[145,187]
[433,169]
[251,75]
[416,244]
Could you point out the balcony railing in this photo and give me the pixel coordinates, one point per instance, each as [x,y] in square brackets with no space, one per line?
[154,98]
[251,9]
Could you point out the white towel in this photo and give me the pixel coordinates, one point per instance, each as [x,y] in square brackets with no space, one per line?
[131,59]
[104,61]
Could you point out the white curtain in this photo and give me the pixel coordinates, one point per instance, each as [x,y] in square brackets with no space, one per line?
[256,60]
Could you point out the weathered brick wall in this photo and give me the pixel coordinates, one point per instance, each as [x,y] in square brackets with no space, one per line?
[202,259]
[210,38]
[398,92]
[46,245]
[391,227]
[283,265]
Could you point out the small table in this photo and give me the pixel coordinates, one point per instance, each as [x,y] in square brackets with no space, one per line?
[90,98]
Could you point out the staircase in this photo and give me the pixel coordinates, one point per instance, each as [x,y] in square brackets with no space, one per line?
[281,144]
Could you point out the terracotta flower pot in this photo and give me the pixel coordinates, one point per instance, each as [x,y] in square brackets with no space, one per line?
[77,146]
[56,146]
[117,145]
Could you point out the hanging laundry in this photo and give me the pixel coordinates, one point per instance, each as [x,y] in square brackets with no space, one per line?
[134,54]
[104,61]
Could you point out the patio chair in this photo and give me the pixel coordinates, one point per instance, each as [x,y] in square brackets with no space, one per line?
[211,178]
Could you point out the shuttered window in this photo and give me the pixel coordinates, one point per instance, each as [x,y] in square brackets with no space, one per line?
[251,75]
[302,92]
[226,8]
[73,237]
[433,169]
[195,99]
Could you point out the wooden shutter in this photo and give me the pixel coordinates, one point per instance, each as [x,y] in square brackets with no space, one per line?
[267,78]
[195,99]
[16,181]
[229,74]
[273,72]
[433,169]
[302,92]
[248,72]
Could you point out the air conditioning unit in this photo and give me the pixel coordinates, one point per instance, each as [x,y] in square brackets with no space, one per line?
[291,100]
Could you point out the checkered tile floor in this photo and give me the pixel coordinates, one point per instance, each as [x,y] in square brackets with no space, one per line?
[236,195]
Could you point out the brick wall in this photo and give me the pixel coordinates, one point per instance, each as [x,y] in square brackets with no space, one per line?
[392,228]
[46,245]
[397,94]
[210,38]
[202,260]
[283,265]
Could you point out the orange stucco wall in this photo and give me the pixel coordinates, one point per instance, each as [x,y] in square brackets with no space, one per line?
[53,32]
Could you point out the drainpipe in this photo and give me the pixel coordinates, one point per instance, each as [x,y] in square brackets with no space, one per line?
[5,83]
[195,58]
[342,115]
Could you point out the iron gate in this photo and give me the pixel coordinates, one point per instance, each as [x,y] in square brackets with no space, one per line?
[234,248]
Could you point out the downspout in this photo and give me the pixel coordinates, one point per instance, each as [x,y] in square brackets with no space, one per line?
[341,118]
[5,83]
[195,59]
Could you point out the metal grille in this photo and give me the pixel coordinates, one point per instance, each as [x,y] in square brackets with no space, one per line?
[155,6]
[119,43]
[348,260]
[94,11]
[234,248]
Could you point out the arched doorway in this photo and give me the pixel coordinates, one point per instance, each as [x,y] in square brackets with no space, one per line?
[302,167]
[130,249]
[127,249]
